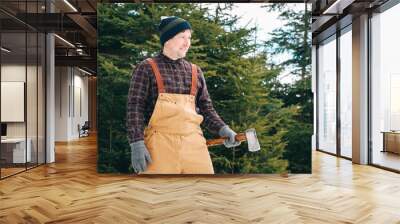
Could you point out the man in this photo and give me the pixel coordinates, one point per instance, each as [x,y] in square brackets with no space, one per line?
[171,90]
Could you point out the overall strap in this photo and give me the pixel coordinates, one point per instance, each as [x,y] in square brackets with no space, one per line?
[160,83]
[194,80]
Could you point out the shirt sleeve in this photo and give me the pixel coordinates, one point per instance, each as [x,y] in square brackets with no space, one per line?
[136,102]
[212,121]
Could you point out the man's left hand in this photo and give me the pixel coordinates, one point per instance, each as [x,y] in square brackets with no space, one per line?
[230,142]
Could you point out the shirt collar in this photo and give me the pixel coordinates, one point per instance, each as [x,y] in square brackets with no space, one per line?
[169,60]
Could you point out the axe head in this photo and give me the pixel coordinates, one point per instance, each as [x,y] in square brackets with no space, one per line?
[252,140]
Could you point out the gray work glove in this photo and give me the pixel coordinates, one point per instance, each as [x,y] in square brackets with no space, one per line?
[140,156]
[225,131]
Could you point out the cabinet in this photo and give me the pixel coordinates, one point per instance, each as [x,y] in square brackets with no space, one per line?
[391,141]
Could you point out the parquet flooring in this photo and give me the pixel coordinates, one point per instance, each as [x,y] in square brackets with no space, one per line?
[71,191]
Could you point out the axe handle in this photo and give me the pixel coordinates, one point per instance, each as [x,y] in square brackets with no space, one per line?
[219,141]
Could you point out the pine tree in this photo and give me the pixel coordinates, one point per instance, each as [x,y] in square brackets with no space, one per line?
[236,82]
[294,38]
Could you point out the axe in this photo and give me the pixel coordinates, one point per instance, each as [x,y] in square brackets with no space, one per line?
[249,135]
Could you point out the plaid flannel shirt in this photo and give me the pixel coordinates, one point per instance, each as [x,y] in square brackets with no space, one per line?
[177,78]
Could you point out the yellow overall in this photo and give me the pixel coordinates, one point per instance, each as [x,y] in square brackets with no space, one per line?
[173,136]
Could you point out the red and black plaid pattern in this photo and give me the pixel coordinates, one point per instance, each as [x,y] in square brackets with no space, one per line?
[177,78]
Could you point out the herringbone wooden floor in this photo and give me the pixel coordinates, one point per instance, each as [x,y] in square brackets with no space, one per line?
[70,191]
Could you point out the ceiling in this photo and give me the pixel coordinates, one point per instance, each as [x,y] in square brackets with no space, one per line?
[74,22]
[330,15]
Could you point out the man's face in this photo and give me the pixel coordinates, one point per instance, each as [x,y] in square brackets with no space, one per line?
[179,44]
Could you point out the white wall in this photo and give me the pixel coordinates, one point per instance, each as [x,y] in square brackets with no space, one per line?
[14,72]
[61,103]
[71,102]
[80,110]
[33,126]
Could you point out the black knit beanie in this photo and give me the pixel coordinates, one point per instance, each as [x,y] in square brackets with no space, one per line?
[171,26]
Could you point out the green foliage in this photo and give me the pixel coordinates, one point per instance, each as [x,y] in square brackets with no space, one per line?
[294,38]
[239,85]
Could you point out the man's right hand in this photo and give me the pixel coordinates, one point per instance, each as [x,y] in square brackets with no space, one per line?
[140,156]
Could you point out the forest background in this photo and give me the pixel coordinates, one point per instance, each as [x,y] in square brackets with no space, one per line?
[243,79]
